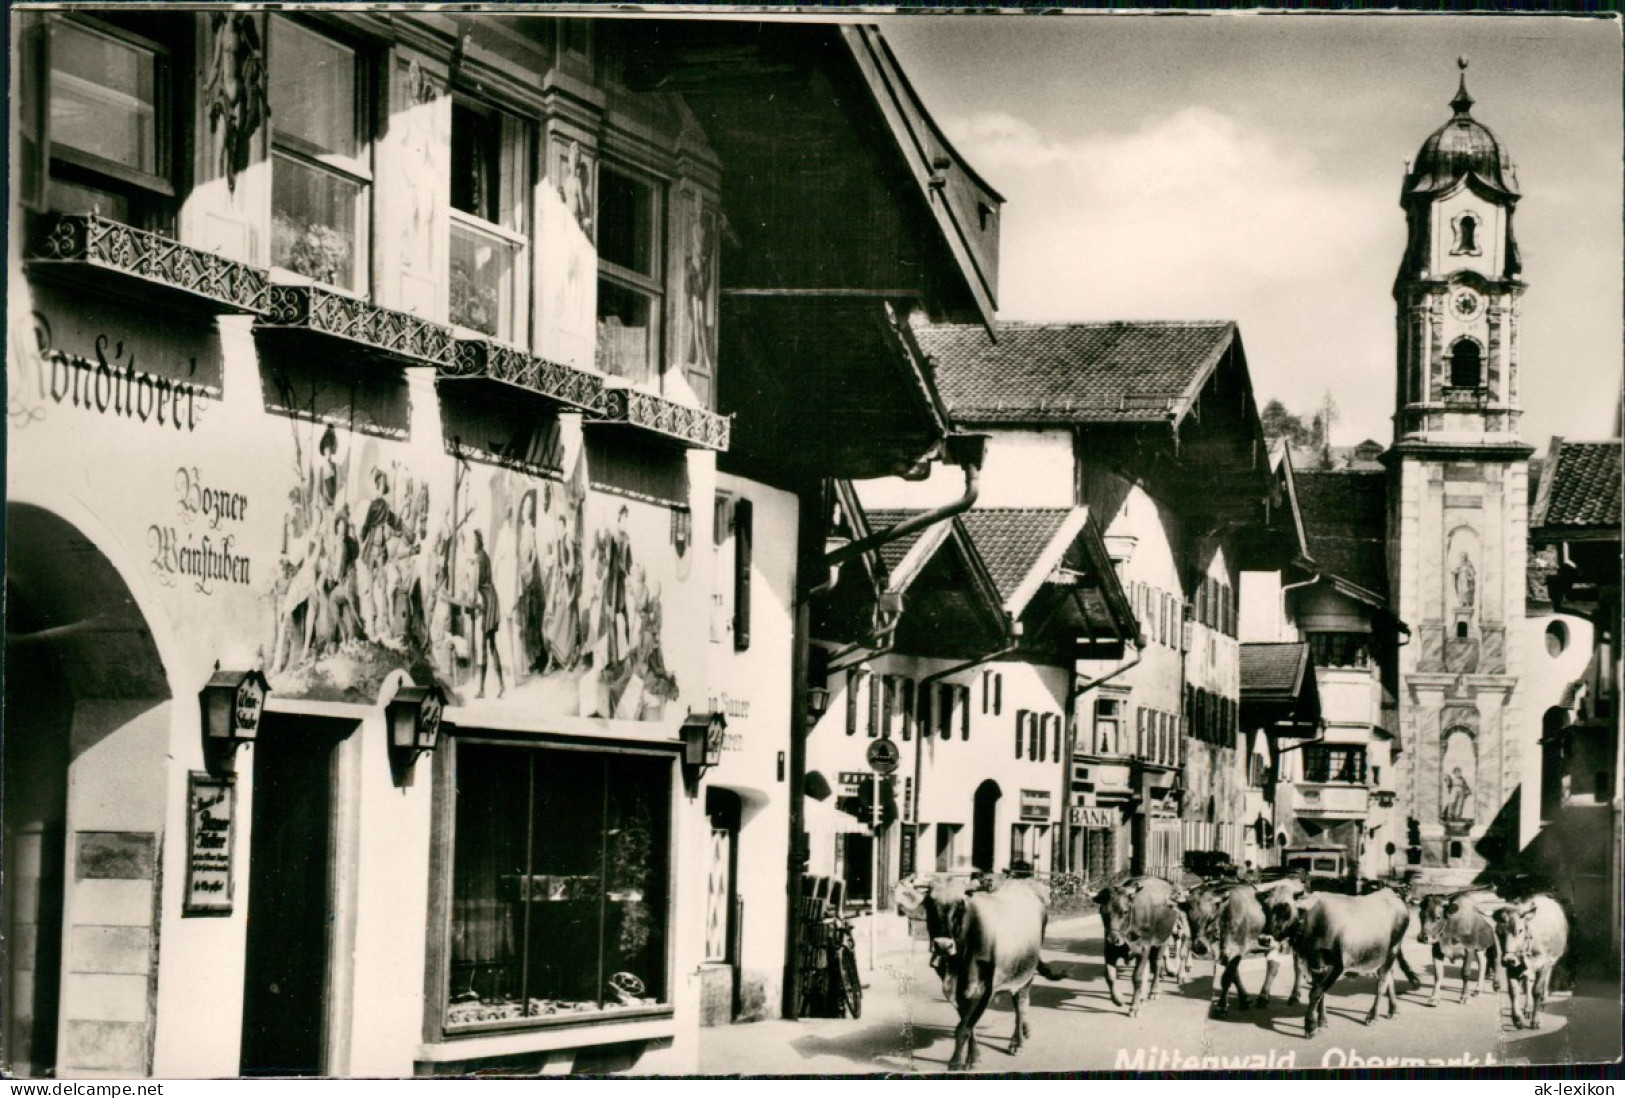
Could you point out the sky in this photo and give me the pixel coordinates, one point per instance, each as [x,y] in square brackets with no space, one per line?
[1248,167]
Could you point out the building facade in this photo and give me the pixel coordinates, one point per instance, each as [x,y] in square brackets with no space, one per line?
[397,682]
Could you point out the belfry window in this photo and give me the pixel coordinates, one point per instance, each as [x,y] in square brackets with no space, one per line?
[1466,236]
[1466,365]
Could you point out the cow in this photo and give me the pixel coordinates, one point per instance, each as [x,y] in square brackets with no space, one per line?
[1334,934]
[1458,927]
[1532,935]
[1285,890]
[1227,920]
[1138,918]
[984,939]
[1176,959]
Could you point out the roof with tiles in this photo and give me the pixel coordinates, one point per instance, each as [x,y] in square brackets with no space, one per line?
[1582,485]
[1273,669]
[1345,515]
[893,552]
[1010,540]
[1100,372]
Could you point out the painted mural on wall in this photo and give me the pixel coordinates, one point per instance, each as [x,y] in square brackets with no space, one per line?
[348,604]
[1458,772]
[550,595]
[234,93]
[567,256]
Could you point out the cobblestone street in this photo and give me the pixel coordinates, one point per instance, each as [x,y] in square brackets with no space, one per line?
[907,1026]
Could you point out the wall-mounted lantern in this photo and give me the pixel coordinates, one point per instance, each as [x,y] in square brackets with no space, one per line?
[702,745]
[817,703]
[231,703]
[414,717]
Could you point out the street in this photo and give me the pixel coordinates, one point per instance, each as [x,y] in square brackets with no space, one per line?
[907,1026]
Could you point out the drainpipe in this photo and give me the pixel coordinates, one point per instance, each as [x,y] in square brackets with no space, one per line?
[1013,632]
[964,450]
[1285,587]
[1079,689]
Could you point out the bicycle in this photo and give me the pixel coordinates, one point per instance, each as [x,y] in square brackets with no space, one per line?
[831,987]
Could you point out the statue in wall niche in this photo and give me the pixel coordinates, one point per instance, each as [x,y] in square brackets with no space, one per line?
[235,93]
[1456,792]
[1465,578]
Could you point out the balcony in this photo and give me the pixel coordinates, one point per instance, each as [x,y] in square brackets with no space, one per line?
[1330,800]
[563,385]
[142,266]
[691,427]
[338,322]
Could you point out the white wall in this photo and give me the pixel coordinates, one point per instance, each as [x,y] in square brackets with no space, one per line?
[1023,468]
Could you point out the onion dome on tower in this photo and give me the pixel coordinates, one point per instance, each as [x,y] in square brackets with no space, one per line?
[1463,150]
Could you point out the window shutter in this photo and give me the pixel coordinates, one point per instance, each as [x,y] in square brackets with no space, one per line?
[852,680]
[962,693]
[908,708]
[923,699]
[742,555]
[1021,726]
[876,690]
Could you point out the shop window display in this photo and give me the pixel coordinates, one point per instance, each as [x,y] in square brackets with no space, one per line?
[560,882]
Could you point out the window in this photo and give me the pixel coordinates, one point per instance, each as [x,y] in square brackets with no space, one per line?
[1334,763]
[109,94]
[1257,770]
[320,178]
[1026,845]
[560,882]
[908,708]
[630,274]
[1557,639]
[1341,649]
[1466,367]
[490,156]
[1466,236]
[1108,715]
[945,710]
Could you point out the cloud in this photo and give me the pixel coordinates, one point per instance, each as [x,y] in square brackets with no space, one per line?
[1196,215]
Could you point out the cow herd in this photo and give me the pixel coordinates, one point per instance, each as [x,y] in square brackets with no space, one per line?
[987,937]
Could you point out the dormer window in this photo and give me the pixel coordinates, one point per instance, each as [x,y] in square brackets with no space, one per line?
[1466,365]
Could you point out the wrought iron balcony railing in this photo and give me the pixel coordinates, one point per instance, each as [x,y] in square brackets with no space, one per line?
[690,426]
[566,385]
[134,262]
[358,322]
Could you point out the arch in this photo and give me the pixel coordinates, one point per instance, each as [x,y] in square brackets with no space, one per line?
[1458,775]
[75,633]
[1466,364]
[984,819]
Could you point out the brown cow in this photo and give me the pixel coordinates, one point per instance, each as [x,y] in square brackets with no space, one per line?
[983,940]
[1227,921]
[1334,934]
[1285,890]
[1458,926]
[1532,936]
[1138,917]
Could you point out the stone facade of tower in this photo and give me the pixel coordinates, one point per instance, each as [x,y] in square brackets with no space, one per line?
[1458,517]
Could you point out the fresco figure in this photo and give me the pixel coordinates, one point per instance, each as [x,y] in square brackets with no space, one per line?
[530,608]
[561,618]
[699,278]
[487,614]
[235,94]
[377,527]
[1458,796]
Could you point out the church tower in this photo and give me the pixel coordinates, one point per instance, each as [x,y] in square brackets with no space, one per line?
[1458,506]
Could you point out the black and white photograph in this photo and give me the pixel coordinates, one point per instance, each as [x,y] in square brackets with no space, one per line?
[555,540]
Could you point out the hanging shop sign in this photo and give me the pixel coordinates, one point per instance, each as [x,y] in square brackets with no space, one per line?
[211,814]
[1035,804]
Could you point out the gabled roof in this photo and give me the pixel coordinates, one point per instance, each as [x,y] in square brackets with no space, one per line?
[1118,372]
[1345,518]
[1011,540]
[1580,489]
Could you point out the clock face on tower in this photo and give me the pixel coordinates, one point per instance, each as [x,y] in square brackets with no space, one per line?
[1465,304]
